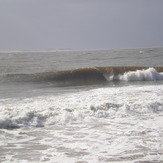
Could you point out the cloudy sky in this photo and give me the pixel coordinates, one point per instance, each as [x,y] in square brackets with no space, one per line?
[80,24]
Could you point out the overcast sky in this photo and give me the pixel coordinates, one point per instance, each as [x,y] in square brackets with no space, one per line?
[80,24]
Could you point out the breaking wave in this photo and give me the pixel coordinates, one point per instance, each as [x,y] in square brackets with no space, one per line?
[149,74]
[93,75]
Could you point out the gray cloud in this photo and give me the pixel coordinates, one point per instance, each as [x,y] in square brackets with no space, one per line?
[55,24]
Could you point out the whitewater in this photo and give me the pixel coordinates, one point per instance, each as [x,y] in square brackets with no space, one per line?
[85,106]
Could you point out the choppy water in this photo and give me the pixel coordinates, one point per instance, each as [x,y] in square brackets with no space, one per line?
[82,106]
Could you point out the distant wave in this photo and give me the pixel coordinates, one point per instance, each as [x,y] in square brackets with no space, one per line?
[92,75]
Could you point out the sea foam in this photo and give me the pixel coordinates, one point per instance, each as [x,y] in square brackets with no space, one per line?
[149,74]
[142,75]
[87,106]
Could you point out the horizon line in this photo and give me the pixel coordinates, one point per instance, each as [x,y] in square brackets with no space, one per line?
[72,49]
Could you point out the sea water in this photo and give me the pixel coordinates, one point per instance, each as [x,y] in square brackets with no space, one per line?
[85,106]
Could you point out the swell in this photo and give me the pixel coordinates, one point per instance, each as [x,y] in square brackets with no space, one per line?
[85,75]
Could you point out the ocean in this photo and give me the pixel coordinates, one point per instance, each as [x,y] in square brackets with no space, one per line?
[81,106]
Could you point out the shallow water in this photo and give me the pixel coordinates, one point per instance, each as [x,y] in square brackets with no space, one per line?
[131,140]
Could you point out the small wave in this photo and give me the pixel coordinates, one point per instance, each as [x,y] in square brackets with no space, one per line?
[85,76]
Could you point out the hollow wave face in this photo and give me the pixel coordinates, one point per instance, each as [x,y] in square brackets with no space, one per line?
[85,76]
[87,106]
